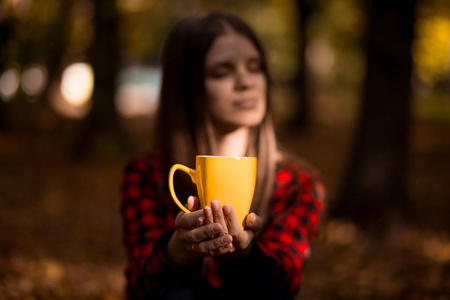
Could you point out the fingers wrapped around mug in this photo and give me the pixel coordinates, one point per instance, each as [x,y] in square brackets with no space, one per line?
[198,235]
[242,237]
[214,214]
[213,247]
[200,238]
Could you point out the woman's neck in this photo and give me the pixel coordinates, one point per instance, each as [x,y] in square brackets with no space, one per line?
[233,143]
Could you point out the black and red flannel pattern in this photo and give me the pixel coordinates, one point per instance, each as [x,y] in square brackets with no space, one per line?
[149,212]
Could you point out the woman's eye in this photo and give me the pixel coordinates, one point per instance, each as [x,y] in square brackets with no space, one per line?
[254,66]
[219,72]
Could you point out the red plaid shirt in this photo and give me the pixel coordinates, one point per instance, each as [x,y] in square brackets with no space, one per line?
[149,213]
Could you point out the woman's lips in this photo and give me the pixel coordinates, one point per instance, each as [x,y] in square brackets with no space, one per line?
[246,103]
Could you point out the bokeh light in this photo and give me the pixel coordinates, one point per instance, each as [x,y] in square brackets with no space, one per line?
[138,92]
[77,83]
[320,57]
[431,49]
[63,107]
[34,80]
[9,83]
[71,97]
[21,7]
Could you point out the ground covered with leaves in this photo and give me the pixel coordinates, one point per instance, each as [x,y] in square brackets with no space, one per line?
[60,227]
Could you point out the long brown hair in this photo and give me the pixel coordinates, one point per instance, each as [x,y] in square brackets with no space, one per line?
[182,126]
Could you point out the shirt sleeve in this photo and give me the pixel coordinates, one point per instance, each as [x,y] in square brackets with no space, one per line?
[298,201]
[147,226]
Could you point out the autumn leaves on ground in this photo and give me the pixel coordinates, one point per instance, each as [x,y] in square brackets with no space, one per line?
[60,227]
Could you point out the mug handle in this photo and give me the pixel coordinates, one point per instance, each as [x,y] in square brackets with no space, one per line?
[187,170]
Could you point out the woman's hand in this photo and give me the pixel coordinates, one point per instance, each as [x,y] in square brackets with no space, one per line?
[214,214]
[195,236]
[241,238]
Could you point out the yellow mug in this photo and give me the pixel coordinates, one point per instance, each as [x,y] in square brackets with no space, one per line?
[231,180]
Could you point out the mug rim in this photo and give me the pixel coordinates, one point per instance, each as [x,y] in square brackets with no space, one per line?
[220,156]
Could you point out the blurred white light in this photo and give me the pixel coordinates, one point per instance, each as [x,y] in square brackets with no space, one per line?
[34,80]
[138,91]
[9,83]
[77,83]
[136,99]
[63,107]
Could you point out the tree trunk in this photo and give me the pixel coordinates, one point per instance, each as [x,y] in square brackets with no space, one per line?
[5,34]
[102,133]
[375,185]
[60,37]
[302,116]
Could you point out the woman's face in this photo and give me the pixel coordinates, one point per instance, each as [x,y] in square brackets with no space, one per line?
[235,84]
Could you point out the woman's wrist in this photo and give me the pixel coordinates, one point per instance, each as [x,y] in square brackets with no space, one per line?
[241,253]
[177,254]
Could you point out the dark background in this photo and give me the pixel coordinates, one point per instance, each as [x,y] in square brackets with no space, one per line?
[362,93]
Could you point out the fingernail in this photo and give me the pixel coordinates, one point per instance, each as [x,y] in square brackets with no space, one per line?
[215,204]
[217,227]
[226,239]
[227,209]
[207,211]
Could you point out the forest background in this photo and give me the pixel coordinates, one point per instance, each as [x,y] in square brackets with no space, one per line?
[362,92]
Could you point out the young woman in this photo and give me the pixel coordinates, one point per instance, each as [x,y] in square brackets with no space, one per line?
[216,100]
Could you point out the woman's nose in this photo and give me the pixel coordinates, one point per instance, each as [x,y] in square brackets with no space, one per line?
[243,80]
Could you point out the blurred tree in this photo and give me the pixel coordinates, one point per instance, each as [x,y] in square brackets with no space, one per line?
[143,26]
[5,32]
[102,132]
[32,32]
[374,188]
[305,8]
[53,43]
